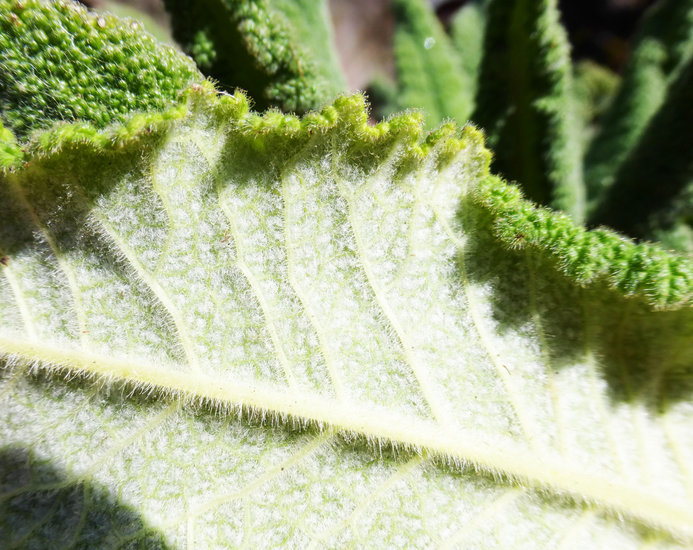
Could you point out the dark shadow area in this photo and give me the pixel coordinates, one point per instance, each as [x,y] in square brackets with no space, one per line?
[601,29]
[41,508]
[644,355]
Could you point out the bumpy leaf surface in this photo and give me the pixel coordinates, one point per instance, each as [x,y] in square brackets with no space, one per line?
[525,102]
[279,51]
[60,63]
[316,332]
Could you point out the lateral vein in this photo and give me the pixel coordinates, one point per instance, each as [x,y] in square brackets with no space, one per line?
[155,287]
[441,413]
[62,263]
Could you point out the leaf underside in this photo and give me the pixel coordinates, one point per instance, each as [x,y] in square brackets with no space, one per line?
[282,331]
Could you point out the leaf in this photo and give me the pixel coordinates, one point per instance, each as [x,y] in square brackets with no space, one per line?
[525,102]
[60,63]
[663,46]
[429,70]
[280,52]
[658,170]
[277,331]
[467,30]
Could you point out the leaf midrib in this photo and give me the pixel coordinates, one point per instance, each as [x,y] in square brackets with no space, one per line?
[456,447]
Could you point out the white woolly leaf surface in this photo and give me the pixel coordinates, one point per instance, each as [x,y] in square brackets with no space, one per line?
[328,349]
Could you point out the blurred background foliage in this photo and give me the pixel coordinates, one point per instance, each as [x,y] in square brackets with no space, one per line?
[599,30]
[586,105]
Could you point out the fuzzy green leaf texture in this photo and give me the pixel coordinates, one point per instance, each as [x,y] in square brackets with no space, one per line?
[280,52]
[224,329]
[59,63]
[526,102]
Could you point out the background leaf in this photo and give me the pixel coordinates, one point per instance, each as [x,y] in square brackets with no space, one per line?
[525,103]
[59,63]
[262,47]
[637,166]
[652,185]
[467,31]
[384,371]
[595,87]
[429,70]
[662,47]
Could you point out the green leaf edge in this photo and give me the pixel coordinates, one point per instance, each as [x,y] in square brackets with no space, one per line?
[643,271]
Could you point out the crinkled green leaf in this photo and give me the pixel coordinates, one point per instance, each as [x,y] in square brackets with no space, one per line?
[664,45]
[290,332]
[280,52]
[429,70]
[525,102]
[60,63]
[651,185]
